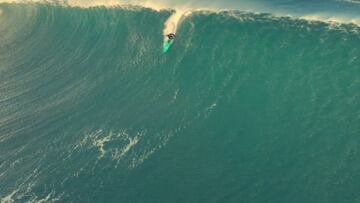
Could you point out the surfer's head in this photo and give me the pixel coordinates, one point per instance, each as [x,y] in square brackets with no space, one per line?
[171,36]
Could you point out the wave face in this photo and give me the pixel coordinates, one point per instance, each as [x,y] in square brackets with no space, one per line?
[243,108]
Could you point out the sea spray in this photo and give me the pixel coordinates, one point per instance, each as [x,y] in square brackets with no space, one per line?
[173,22]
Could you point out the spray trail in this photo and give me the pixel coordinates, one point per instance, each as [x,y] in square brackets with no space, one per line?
[172,23]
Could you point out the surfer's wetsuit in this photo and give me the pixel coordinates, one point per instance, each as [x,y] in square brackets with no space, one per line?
[171,36]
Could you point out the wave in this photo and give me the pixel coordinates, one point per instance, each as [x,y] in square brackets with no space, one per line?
[87,95]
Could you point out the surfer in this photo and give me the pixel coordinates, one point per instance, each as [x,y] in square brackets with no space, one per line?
[171,36]
[168,42]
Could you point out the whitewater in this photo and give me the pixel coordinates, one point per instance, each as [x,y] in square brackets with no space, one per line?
[256,101]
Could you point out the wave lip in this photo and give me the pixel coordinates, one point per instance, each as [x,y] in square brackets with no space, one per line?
[332,11]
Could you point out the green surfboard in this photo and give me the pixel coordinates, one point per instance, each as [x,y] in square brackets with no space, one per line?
[167,45]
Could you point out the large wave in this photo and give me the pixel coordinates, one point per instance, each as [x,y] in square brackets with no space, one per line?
[87,98]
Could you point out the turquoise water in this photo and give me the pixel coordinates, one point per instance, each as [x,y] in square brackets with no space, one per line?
[243,108]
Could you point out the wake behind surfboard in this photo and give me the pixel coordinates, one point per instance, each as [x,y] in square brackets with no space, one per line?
[170,28]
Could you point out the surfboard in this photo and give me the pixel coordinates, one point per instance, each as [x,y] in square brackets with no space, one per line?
[167,45]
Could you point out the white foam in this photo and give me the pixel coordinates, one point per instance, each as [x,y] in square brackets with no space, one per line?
[100,143]
[104,142]
[175,95]
[48,198]
[171,24]
[120,153]
[9,197]
[352,1]
[210,109]
[320,17]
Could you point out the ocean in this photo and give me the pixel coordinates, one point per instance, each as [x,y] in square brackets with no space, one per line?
[246,106]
